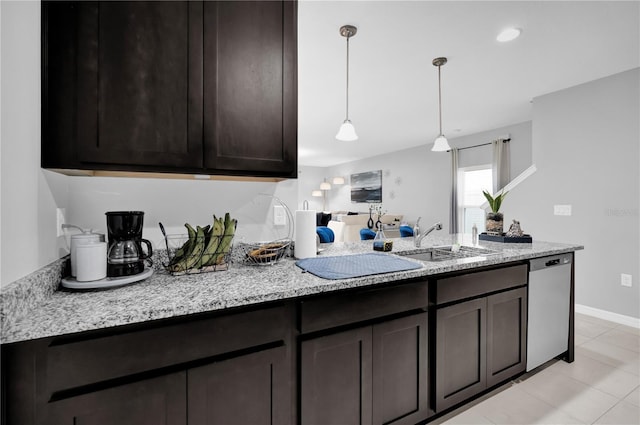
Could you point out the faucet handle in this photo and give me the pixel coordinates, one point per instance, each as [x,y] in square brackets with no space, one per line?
[418,222]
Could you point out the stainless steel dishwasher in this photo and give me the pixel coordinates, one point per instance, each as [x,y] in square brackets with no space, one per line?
[549,309]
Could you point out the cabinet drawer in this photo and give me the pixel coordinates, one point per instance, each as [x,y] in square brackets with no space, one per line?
[475,284]
[78,363]
[342,309]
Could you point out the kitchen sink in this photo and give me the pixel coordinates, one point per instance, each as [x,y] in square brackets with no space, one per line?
[447,252]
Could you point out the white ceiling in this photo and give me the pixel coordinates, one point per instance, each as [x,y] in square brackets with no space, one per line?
[393,100]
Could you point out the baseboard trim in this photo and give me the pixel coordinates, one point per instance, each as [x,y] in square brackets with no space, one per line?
[607,315]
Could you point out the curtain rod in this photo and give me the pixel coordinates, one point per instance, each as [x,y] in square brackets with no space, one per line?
[483,144]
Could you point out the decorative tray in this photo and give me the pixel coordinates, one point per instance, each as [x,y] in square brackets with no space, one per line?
[107,282]
[505,239]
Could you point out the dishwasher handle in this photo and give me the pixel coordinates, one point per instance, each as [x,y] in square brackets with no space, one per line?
[551,261]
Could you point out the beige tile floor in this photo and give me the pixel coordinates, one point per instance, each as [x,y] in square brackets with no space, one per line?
[602,385]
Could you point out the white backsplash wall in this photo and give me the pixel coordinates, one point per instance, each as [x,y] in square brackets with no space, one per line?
[176,202]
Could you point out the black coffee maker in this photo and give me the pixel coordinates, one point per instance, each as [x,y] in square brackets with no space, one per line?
[125,256]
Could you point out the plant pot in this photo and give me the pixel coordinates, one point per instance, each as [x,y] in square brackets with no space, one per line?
[494,222]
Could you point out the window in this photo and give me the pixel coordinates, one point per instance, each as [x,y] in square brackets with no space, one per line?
[471,182]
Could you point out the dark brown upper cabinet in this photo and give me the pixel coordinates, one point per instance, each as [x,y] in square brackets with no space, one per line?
[178,87]
[250,106]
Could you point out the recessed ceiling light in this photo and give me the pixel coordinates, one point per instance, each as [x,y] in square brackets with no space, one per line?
[508,34]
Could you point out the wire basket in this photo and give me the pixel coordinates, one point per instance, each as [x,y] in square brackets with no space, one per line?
[197,255]
[273,251]
[265,253]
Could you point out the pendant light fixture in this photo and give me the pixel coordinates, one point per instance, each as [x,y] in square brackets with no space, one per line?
[441,144]
[347,132]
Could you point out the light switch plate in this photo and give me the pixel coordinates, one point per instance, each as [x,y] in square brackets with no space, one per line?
[562,210]
[279,215]
[626,280]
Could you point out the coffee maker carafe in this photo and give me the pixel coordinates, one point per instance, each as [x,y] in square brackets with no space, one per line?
[125,254]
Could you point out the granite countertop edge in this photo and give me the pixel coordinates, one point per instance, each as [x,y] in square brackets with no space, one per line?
[35,307]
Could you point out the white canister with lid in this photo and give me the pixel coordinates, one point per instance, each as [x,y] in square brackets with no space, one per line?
[84,238]
[91,261]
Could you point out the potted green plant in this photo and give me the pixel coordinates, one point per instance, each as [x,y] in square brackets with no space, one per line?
[494,219]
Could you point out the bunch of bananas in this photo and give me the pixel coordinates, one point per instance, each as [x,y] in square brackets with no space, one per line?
[206,246]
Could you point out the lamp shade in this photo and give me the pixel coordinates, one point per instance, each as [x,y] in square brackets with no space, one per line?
[441,144]
[325,186]
[338,180]
[347,132]
[316,193]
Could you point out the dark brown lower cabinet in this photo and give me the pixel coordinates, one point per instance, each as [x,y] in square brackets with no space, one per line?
[460,352]
[479,343]
[400,377]
[157,401]
[506,335]
[370,375]
[251,389]
[335,381]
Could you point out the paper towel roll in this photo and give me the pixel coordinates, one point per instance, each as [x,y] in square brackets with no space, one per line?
[305,245]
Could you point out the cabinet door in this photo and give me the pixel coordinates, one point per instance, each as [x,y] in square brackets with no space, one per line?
[139,83]
[158,401]
[250,97]
[335,378]
[400,371]
[59,53]
[250,389]
[506,335]
[460,352]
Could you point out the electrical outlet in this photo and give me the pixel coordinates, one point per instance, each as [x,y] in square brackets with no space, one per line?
[279,216]
[60,220]
[562,210]
[626,280]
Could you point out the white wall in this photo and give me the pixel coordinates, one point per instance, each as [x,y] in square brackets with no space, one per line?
[29,195]
[586,147]
[520,147]
[417,182]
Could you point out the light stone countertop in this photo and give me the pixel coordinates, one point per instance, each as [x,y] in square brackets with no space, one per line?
[32,308]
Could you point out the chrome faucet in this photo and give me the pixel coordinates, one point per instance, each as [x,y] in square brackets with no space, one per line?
[418,237]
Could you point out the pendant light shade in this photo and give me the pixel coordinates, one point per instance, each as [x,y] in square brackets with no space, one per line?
[347,132]
[440,144]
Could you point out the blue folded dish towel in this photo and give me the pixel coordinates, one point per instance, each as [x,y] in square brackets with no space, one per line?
[358,265]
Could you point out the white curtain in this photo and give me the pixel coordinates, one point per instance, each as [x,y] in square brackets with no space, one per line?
[453,215]
[501,164]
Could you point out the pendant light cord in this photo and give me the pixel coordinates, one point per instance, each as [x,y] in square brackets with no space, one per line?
[440,100]
[348,37]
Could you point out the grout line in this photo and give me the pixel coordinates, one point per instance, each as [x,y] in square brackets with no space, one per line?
[629,393]
[608,410]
